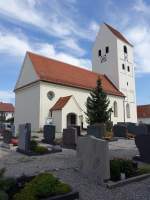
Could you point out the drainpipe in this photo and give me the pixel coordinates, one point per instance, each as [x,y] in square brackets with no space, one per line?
[124,111]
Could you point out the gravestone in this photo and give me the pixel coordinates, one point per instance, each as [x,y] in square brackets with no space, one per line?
[93,155]
[24,138]
[78,129]
[132,128]
[97,130]
[120,131]
[7,136]
[141,129]
[148,128]
[143,144]
[13,129]
[70,137]
[49,134]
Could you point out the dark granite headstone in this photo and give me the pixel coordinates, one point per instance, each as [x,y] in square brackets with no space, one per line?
[141,129]
[143,144]
[24,138]
[7,136]
[49,134]
[148,128]
[13,129]
[70,137]
[120,131]
[97,130]
[78,130]
[132,128]
[2,129]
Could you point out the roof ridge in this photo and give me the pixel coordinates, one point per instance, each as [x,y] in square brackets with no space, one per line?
[78,67]
[118,34]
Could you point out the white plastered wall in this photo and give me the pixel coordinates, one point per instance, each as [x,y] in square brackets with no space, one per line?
[106,38]
[127,79]
[80,96]
[57,120]
[27,104]
[27,73]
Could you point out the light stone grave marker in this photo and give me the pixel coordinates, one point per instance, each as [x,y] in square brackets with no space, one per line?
[93,154]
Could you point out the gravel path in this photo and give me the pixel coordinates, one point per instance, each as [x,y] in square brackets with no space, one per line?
[64,165]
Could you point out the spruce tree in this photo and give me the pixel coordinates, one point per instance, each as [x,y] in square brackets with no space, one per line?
[97,105]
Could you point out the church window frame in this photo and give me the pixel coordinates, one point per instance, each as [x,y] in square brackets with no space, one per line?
[50,95]
[115,105]
[128,110]
[125,49]
[107,49]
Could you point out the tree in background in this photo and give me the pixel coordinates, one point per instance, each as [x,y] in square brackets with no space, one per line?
[97,105]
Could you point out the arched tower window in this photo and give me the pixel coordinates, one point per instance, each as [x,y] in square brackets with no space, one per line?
[115,109]
[128,110]
[125,49]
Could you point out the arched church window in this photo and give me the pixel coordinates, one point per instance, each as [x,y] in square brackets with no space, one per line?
[107,49]
[99,53]
[128,68]
[128,110]
[125,49]
[123,66]
[115,109]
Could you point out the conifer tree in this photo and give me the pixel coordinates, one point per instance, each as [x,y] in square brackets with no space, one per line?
[97,105]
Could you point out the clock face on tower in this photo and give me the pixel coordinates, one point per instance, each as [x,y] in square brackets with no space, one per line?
[103,59]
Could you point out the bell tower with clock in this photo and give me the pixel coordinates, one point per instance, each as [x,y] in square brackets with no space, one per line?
[113,56]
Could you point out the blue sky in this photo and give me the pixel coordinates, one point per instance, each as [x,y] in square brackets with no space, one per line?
[65,30]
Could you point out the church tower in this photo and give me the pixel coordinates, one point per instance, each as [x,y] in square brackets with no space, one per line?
[113,56]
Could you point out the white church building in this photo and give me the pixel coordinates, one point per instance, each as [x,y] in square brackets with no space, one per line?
[48,89]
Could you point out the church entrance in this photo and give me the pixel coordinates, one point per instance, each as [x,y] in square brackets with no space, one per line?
[71,119]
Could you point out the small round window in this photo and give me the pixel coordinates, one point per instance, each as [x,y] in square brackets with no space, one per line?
[50,95]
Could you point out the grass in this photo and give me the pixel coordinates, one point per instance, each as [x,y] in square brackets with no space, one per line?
[145,169]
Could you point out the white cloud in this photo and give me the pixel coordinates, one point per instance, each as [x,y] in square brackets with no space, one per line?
[71,44]
[17,45]
[141,6]
[6,96]
[58,18]
[13,45]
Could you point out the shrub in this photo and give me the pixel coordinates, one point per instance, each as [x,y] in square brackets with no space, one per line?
[41,150]
[118,166]
[62,188]
[3,195]
[2,171]
[42,186]
[6,184]
[109,126]
[33,145]
[115,172]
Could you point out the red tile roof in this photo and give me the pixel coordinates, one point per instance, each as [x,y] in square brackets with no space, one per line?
[65,74]
[143,111]
[6,107]
[60,103]
[118,34]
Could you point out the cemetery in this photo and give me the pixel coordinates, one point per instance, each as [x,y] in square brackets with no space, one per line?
[103,159]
